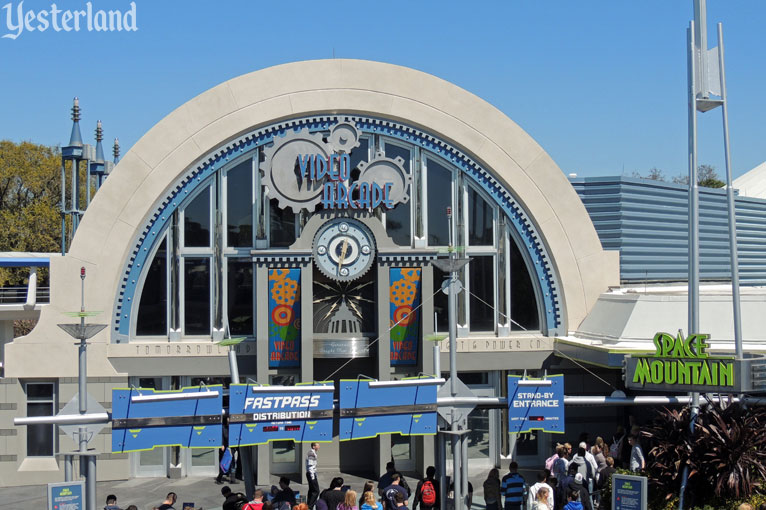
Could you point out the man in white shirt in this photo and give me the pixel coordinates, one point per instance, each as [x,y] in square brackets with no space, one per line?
[542,479]
[637,461]
[311,475]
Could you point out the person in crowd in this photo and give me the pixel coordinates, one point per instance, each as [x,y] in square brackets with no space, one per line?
[745,506]
[542,500]
[369,500]
[562,488]
[369,485]
[228,455]
[579,485]
[333,495]
[589,457]
[561,464]
[400,501]
[550,460]
[604,477]
[385,478]
[512,487]
[267,506]
[256,503]
[132,507]
[427,491]
[582,465]
[349,501]
[232,500]
[541,483]
[311,475]
[616,446]
[492,490]
[553,482]
[390,492]
[637,461]
[574,503]
[301,506]
[598,454]
[284,497]
[111,503]
[170,500]
[584,438]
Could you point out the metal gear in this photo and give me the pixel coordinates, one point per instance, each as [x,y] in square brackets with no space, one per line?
[383,169]
[344,137]
[282,174]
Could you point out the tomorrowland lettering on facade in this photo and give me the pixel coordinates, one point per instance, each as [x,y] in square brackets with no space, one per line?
[680,363]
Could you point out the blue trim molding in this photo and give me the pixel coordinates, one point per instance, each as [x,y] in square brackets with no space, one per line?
[155,225]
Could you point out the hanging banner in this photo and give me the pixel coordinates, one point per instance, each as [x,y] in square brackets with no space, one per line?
[405,316]
[259,414]
[536,404]
[284,318]
[369,408]
[143,419]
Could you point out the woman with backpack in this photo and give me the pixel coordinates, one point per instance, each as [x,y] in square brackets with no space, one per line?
[427,492]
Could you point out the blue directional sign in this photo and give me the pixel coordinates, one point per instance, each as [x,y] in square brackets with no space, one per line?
[369,408]
[259,414]
[66,495]
[629,492]
[536,404]
[143,419]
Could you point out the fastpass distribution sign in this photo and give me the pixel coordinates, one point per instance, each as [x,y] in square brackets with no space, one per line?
[259,414]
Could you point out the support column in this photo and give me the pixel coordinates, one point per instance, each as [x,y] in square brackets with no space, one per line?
[307,350]
[383,349]
[261,453]
[427,456]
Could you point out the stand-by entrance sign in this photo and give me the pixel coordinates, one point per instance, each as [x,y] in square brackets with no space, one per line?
[144,418]
[259,414]
[66,496]
[629,492]
[370,408]
[536,404]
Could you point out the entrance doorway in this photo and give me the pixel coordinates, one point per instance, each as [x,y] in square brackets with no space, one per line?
[151,463]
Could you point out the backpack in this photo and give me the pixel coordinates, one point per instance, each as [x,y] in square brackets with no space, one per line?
[550,460]
[428,493]
[615,448]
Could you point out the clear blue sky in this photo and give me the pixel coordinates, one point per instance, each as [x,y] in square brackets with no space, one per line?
[600,84]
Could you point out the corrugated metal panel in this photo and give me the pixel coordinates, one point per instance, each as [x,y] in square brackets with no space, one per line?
[647,222]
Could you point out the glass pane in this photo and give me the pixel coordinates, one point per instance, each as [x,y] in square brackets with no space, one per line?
[151,457]
[240,295]
[524,307]
[482,293]
[203,456]
[39,437]
[401,447]
[526,444]
[398,218]
[480,220]
[478,438]
[439,197]
[197,220]
[282,451]
[40,392]
[440,302]
[282,227]
[359,154]
[150,382]
[239,206]
[197,296]
[152,310]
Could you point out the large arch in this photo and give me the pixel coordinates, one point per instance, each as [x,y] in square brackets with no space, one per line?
[192,133]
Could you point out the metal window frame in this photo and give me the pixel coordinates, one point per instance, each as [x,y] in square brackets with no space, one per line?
[453,171]
[168,287]
[413,150]
[224,204]
[53,402]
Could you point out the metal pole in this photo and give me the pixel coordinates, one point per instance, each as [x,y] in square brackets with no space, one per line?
[730,206]
[456,482]
[245,456]
[452,310]
[437,361]
[91,482]
[442,469]
[63,207]
[464,463]
[67,468]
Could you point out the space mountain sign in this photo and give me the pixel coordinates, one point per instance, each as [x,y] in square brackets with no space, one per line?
[682,364]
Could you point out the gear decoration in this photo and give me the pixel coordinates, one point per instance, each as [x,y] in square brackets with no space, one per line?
[344,137]
[383,169]
[282,315]
[285,291]
[411,274]
[279,274]
[403,315]
[281,170]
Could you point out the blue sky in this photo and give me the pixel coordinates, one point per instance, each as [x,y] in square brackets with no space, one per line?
[600,84]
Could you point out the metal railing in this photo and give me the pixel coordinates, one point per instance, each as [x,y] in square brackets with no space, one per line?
[18,295]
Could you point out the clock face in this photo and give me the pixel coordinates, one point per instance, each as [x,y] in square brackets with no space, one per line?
[344,249]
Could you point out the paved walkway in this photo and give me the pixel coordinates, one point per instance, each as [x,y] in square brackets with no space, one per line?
[147,493]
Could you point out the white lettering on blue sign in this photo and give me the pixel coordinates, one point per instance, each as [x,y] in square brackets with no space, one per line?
[539,399]
[282,402]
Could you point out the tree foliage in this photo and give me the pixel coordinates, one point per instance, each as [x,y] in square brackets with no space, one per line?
[707,177]
[30,196]
[726,455]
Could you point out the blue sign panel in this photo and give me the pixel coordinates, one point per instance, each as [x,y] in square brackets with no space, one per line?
[536,404]
[259,414]
[143,419]
[629,492]
[369,408]
[66,496]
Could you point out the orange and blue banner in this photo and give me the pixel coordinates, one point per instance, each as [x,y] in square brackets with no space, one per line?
[284,318]
[405,314]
